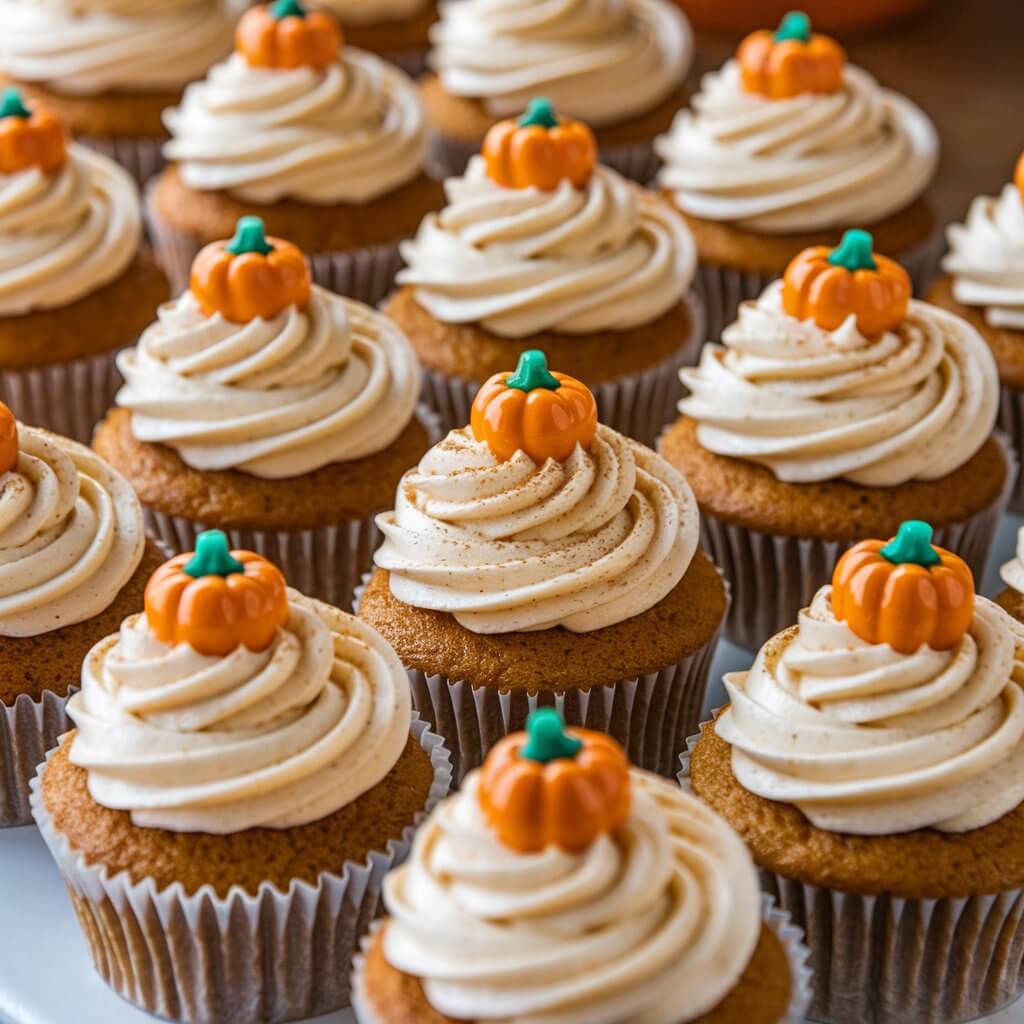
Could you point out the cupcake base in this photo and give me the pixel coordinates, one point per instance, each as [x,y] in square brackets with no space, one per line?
[399,41]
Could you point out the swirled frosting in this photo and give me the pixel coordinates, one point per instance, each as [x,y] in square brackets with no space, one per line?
[268,739]
[609,256]
[66,234]
[866,740]
[334,382]
[599,60]
[508,546]
[911,404]
[367,12]
[71,535]
[350,132]
[812,162]
[91,46]
[655,925]
[986,258]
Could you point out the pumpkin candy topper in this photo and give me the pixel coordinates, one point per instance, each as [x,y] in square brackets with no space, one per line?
[29,138]
[250,276]
[8,440]
[533,410]
[216,600]
[554,787]
[1018,176]
[790,61]
[540,150]
[827,285]
[904,593]
[284,35]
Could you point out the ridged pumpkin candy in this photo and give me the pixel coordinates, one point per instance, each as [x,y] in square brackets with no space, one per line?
[8,439]
[790,61]
[29,138]
[1018,176]
[284,35]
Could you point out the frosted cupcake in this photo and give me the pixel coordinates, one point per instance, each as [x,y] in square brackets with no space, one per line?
[619,65]
[110,67]
[242,754]
[871,758]
[325,143]
[536,557]
[75,284]
[836,407]
[561,884]
[271,408]
[786,146]
[541,246]
[398,30]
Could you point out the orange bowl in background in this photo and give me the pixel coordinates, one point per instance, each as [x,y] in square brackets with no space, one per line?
[839,16]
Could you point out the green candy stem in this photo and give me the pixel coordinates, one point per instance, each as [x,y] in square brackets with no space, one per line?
[540,112]
[213,556]
[11,104]
[795,25]
[912,545]
[250,236]
[854,252]
[287,9]
[532,372]
[547,739]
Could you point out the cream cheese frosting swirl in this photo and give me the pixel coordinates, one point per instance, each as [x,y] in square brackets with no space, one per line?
[71,535]
[986,258]
[803,164]
[66,234]
[811,405]
[607,257]
[602,61]
[268,739]
[86,47]
[276,398]
[508,546]
[654,925]
[348,133]
[869,741]
[367,12]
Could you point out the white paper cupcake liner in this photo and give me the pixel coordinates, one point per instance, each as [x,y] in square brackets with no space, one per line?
[1011,422]
[208,959]
[141,157]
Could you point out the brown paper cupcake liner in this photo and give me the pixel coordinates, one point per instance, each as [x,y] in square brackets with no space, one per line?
[412,62]
[208,959]
[1011,422]
[141,157]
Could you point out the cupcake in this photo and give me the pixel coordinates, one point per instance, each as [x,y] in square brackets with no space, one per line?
[984,284]
[836,408]
[325,143]
[537,557]
[540,246]
[619,65]
[75,284]
[561,884]
[1012,574]
[398,30]
[269,407]
[110,67]
[73,562]
[244,769]
[785,147]
[872,760]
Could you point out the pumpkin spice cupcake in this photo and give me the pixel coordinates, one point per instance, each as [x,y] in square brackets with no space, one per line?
[872,759]
[539,245]
[326,144]
[619,65]
[73,562]
[562,884]
[241,754]
[785,147]
[536,557]
[271,408]
[836,407]
[397,30]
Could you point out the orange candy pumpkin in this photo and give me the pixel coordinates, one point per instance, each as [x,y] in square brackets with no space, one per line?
[540,150]
[554,787]
[904,593]
[8,439]
[1018,176]
[827,285]
[284,35]
[217,600]
[790,61]
[532,410]
[29,138]
[250,276]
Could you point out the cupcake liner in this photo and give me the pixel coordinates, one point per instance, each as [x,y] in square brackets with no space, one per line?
[412,62]
[777,920]
[1011,422]
[141,157]
[208,959]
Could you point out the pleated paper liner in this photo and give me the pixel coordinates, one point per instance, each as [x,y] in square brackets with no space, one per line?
[777,920]
[207,959]
[141,157]
[1011,422]
[887,960]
